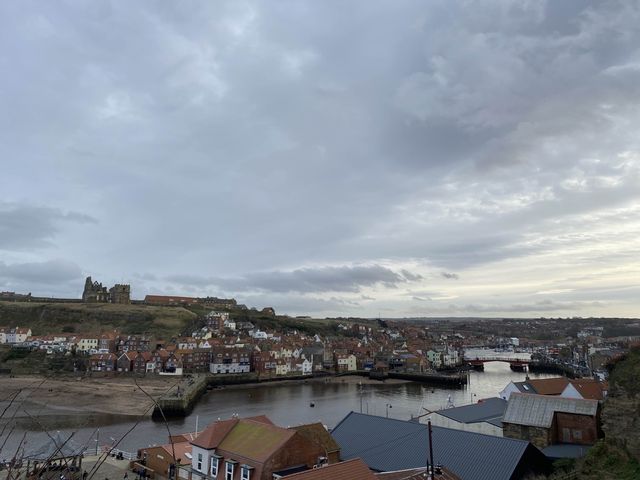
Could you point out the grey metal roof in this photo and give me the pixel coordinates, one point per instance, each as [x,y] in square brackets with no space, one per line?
[538,410]
[525,387]
[566,450]
[489,410]
[387,444]
[55,447]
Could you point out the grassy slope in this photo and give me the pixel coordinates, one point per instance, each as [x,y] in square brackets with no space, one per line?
[44,318]
[609,459]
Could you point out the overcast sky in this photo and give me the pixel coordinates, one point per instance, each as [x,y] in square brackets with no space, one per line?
[393,158]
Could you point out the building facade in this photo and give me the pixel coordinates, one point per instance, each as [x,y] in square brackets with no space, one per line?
[95,292]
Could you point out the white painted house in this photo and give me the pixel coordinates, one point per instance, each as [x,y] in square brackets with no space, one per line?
[483,417]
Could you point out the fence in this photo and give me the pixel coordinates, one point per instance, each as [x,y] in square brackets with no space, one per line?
[116,452]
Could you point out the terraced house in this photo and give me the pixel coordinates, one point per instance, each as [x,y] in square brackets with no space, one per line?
[250,449]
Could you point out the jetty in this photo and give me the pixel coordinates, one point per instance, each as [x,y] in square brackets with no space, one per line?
[179,401]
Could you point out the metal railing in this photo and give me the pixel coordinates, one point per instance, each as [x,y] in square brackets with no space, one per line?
[116,452]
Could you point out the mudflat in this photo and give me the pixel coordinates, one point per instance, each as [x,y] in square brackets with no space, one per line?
[36,395]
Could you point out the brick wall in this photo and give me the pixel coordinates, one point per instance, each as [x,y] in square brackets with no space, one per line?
[540,437]
[571,428]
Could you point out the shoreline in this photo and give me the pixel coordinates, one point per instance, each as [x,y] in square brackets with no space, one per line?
[346,379]
[117,397]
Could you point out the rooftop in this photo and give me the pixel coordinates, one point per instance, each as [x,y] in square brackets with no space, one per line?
[489,410]
[387,444]
[538,410]
[354,469]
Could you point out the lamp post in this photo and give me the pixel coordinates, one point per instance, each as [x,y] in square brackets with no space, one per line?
[431,448]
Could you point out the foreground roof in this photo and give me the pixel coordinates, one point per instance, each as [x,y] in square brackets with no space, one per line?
[566,450]
[211,436]
[549,386]
[538,410]
[415,474]
[319,435]
[387,444]
[354,469]
[255,440]
[489,410]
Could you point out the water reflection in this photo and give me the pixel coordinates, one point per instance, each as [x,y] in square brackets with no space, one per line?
[289,405]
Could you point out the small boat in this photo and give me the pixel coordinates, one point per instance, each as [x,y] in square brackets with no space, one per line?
[312,404]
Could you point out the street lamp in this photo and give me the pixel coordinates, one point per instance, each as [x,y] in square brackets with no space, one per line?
[388,407]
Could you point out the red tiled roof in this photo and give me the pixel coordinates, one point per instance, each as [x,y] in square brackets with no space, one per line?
[212,436]
[354,469]
[549,386]
[415,474]
[319,435]
[589,388]
[255,440]
[181,449]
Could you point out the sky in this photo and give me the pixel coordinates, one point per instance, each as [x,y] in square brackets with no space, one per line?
[330,158]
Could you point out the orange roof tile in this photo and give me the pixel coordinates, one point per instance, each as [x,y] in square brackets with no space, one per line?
[589,388]
[549,386]
[354,469]
[213,435]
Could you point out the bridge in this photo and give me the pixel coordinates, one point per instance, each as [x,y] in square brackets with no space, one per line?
[515,363]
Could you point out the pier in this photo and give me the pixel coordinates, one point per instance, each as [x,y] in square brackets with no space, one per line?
[180,401]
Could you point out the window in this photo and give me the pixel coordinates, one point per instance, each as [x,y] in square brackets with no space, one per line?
[245,472]
[199,467]
[214,466]
[229,471]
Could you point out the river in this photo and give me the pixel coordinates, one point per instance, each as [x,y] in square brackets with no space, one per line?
[286,405]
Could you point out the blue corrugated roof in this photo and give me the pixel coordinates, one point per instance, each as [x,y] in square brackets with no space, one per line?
[566,450]
[388,444]
[488,410]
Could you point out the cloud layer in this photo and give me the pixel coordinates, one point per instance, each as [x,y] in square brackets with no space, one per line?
[324,157]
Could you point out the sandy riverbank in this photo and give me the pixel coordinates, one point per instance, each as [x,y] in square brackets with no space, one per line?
[94,399]
[41,396]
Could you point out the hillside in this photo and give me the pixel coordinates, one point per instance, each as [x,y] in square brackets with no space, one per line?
[44,318]
[617,457]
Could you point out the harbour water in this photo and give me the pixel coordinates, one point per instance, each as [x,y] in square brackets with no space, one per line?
[287,405]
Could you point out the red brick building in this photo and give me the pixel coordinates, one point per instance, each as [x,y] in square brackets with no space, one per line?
[548,420]
[250,449]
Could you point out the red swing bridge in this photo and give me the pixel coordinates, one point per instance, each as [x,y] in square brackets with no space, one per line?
[516,364]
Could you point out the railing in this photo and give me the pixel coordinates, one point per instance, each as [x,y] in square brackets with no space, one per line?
[498,359]
[116,452]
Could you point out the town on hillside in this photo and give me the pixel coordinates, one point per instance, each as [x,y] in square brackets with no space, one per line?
[527,429]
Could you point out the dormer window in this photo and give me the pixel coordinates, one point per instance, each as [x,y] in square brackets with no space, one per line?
[215,463]
[245,472]
[230,467]
[199,463]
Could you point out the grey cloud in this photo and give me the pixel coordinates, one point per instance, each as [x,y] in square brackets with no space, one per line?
[450,276]
[49,278]
[412,277]
[25,226]
[304,280]
[237,137]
